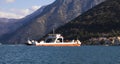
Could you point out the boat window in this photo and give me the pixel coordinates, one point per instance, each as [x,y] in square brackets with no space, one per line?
[59,40]
[50,40]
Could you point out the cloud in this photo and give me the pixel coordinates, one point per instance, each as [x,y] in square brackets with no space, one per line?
[18,13]
[9,15]
[21,12]
[10,1]
[15,13]
[25,11]
[34,8]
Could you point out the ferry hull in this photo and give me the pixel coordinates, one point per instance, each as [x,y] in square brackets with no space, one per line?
[58,44]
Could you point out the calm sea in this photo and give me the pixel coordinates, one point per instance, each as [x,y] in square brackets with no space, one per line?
[20,54]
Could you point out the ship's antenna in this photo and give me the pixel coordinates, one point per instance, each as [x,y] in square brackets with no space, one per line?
[54,28]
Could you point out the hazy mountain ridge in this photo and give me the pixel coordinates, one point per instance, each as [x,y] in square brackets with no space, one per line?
[54,15]
[5,25]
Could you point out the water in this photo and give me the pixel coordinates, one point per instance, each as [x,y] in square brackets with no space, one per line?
[59,55]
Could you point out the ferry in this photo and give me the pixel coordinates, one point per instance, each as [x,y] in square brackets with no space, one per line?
[54,40]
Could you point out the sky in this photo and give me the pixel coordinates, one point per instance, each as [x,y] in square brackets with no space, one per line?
[20,8]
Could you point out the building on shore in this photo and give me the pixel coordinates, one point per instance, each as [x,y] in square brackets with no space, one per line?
[105,41]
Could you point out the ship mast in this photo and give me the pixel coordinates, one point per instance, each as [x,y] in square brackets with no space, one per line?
[54,28]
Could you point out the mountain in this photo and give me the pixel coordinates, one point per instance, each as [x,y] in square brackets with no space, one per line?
[5,25]
[101,21]
[54,15]
[8,26]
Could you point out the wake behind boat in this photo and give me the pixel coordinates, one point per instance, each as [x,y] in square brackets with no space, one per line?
[54,40]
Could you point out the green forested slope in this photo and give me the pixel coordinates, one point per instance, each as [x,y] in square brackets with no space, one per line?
[102,20]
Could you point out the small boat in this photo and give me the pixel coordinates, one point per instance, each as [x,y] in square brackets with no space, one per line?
[54,40]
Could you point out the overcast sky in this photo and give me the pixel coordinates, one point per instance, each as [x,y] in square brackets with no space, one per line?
[20,8]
